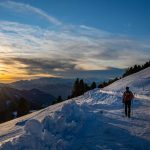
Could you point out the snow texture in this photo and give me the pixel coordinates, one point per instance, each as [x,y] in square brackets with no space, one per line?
[93,121]
[55,132]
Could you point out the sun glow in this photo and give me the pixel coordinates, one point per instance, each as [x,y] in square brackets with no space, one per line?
[17,71]
[9,73]
[90,67]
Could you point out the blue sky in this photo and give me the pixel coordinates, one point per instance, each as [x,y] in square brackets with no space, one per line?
[131,17]
[72,38]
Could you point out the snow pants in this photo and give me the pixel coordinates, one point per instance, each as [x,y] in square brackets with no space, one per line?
[128,108]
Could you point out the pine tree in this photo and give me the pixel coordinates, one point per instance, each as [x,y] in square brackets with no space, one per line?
[100,85]
[81,87]
[93,85]
[75,88]
[59,99]
[135,69]
[23,107]
[86,87]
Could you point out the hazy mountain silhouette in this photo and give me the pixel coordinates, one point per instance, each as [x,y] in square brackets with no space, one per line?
[36,98]
[52,86]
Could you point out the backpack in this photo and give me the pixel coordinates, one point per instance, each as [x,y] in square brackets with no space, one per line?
[128,96]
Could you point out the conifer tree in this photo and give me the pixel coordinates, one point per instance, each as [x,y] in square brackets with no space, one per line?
[75,88]
[59,99]
[93,85]
[86,87]
[23,107]
[81,87]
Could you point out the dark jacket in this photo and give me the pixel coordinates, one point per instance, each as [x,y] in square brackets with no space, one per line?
[127,96]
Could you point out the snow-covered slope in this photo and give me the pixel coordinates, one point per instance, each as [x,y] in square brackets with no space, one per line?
[93,121]
[138,82]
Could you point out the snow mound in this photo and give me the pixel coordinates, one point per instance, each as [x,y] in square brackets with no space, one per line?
[33,127]
[55,132]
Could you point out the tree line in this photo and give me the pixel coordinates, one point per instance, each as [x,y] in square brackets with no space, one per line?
[104,84]
[80,87]
[136,68]
[128,71]
[15,109]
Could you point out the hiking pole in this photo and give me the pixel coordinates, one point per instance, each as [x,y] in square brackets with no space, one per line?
[132,108]
[123,109]
[123,105]
[132,102]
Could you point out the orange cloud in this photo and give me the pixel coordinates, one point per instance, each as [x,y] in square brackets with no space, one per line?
[16,71]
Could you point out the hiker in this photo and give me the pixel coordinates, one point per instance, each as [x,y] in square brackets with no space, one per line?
[127,98]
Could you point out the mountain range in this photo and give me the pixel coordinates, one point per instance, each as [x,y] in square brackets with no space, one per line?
[53,86]
[35,97]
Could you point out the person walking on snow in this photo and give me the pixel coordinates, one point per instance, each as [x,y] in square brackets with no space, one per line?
[127,98]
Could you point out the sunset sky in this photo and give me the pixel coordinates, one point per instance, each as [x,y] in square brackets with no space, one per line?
[72,38]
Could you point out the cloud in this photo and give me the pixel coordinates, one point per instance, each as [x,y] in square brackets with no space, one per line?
[88,66]
[41,65]
[66,50]
[25,8]
[62,50]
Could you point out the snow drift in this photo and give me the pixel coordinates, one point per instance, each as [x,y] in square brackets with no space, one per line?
[54,132]
[92,121]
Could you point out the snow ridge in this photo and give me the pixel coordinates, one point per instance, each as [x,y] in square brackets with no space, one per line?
[54,132]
